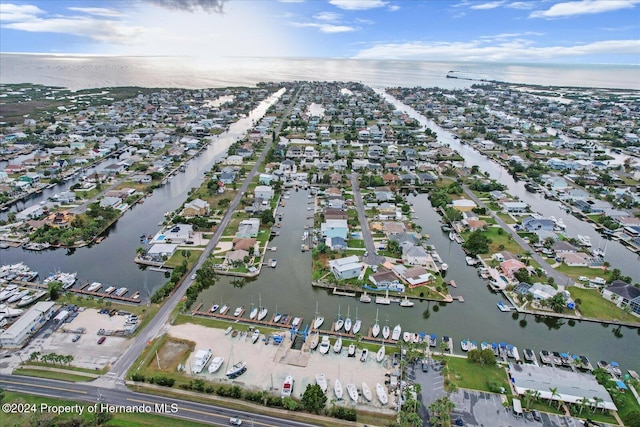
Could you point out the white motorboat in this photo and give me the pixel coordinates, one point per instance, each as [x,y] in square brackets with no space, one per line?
[366,392]
[352,390]
[380,354]
[464,345]
[201,359]
[365,298]
[397,331]
[321,380]
[386,331]
[381,392]
[384,300]
[352,350]
[238,311]
[110,289]
[26,300]
[254,313]
[406,303]
[295,322]
[584,240]
[121,291]
[94,287]
[216,363]
[364,355]
[287,386]
[224,309]
[277,316]
[325,345]
[337,389]
[214,308]
[18,296]
[337,347]
[255,336]
[470,260]
[444,266]
[314,341]
[406,337]
[347,322]
[236,370]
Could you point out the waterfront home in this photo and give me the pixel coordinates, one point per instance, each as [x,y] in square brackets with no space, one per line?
[562,246]
[61,219]
[575,259]
[334,228]
[383,194]
[265,178]
[110,202]
[346,268]
[248,228]
[236,257]
[333,213]
[404,237]
[336,243]
[386,280]
[233,160]
[264,192]
[243,243]
[534,224]
[414,276]
[31,212]
[474,224]
[623,294]
[510,266]
[515,207]
[391,228]
[196,207]
[389,211]
[159,252]
[415,255]
[541,291]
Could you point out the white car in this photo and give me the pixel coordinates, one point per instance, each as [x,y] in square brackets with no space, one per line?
[193,277]
[235,421]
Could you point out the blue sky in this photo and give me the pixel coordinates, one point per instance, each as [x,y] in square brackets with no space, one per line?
[583,31]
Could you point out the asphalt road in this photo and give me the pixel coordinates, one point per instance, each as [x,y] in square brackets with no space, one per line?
[369,244]
[110,398]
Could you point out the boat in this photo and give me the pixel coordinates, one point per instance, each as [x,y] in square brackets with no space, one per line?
[325,345]
[255,336]
[452,236]
[375,330]
[447,341]
[254,313]
[339,322]
[277,316]
[121,291]
[357,324]
[337,389]
[406,303]
[473,345]
[216,363]
[397,330]
[485,346]
[603,365]
[444,266]
[384,300]
[236,370]
[319,320]
[352,391]
[503,307]
[584,240]
[262,313]
[285,319]
[287,386]
[18,296]
[365,298]
[366,392]
[352,350]
[556,358]
[214,308]
[364,355]
[273,263]
[228,330]
[201,359]
[529,355]
[67,279]
[314,341]
[386,331]
[337,347]
[433,340]
[406,337]
[380,354]
[615,370]
[94,286]
[470,261]
[381,393]
[238,311]
[295,322]
[110,289]
[510,351]
[224,309]
[545,357]
[347,322]
[321,380]
[28,299]
[584,363]
[464,345]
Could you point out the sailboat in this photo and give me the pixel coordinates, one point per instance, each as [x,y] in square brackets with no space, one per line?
[277,316]
[406,303]
[325,345]
[352,390]
[319,320]
[254,311]
[262,312]
[375,330]
[347,322]
[366,392]
[358,323]
[381,392]
[337,347]
[380,354]
[339,321]
[315,339]
[321,380]
[337,389]
[386,331]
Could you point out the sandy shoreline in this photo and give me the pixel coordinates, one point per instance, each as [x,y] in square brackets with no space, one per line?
[268,365]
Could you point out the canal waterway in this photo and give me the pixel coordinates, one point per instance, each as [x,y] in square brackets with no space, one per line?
[111,262]
[478,318]
[616,254]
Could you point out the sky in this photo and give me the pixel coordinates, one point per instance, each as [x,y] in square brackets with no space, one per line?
[541,31]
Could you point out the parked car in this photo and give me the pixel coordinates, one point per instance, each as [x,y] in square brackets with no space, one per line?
[75,338]
[536,415]
[101,340]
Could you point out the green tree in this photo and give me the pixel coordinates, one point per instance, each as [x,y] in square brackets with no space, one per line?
[477,243]
[313,399]
[557,303]
[55,288]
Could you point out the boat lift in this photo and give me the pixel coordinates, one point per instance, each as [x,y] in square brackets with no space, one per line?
[296,332]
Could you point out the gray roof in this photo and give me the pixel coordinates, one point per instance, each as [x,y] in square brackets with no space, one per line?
[623,289]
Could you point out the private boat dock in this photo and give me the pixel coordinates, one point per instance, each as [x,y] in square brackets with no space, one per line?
[135,298]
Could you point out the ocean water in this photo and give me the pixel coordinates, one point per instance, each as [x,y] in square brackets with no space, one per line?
[82,72]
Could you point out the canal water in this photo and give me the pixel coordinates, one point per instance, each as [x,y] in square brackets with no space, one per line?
[616,254]
[111,262]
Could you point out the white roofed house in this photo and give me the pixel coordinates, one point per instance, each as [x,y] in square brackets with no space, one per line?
[346,268]
[264,192]
[248,228]
[415,255]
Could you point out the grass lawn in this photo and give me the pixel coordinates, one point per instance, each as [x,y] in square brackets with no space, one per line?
[52,375]
[506,218]
[355,243]
[128,420]
[593,305]
[626,403]
[575,272]
[498,239]
[70,368]
[475,376]
[177,258]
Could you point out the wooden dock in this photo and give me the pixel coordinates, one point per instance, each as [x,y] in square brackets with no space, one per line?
[231,318]
[132,299]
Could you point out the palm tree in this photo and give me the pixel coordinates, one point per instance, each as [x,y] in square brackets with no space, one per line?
[554,392]
[530,396]
[33,357]
[597,401]
[583,402]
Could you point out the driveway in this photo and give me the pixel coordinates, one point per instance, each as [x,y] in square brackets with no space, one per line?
[371,258]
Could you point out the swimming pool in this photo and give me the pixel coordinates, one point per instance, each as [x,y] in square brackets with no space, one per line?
[160,237]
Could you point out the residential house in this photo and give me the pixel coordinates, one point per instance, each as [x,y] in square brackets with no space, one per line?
[510,266]
[386,280]
[264,192]
[575,259]
[334,228]
[235,257]
[346,268]
[623,294]
[515,207]
[248,228]
[196,207]
[562,246]
[415,255]
[336,243]
[414,276]
[533,224]
[332,213]
[243,243]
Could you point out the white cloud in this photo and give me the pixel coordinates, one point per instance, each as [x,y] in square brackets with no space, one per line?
[291,1]
[522,5]
[487,6]
[325,28]
[503,36]
[394,7]
[95,29]
[514,50]
[328,16]
[98,11]
[572,8]
[13,12]
[358,4]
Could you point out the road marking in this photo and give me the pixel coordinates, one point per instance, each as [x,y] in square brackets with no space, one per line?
[201,412]
[44,386]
